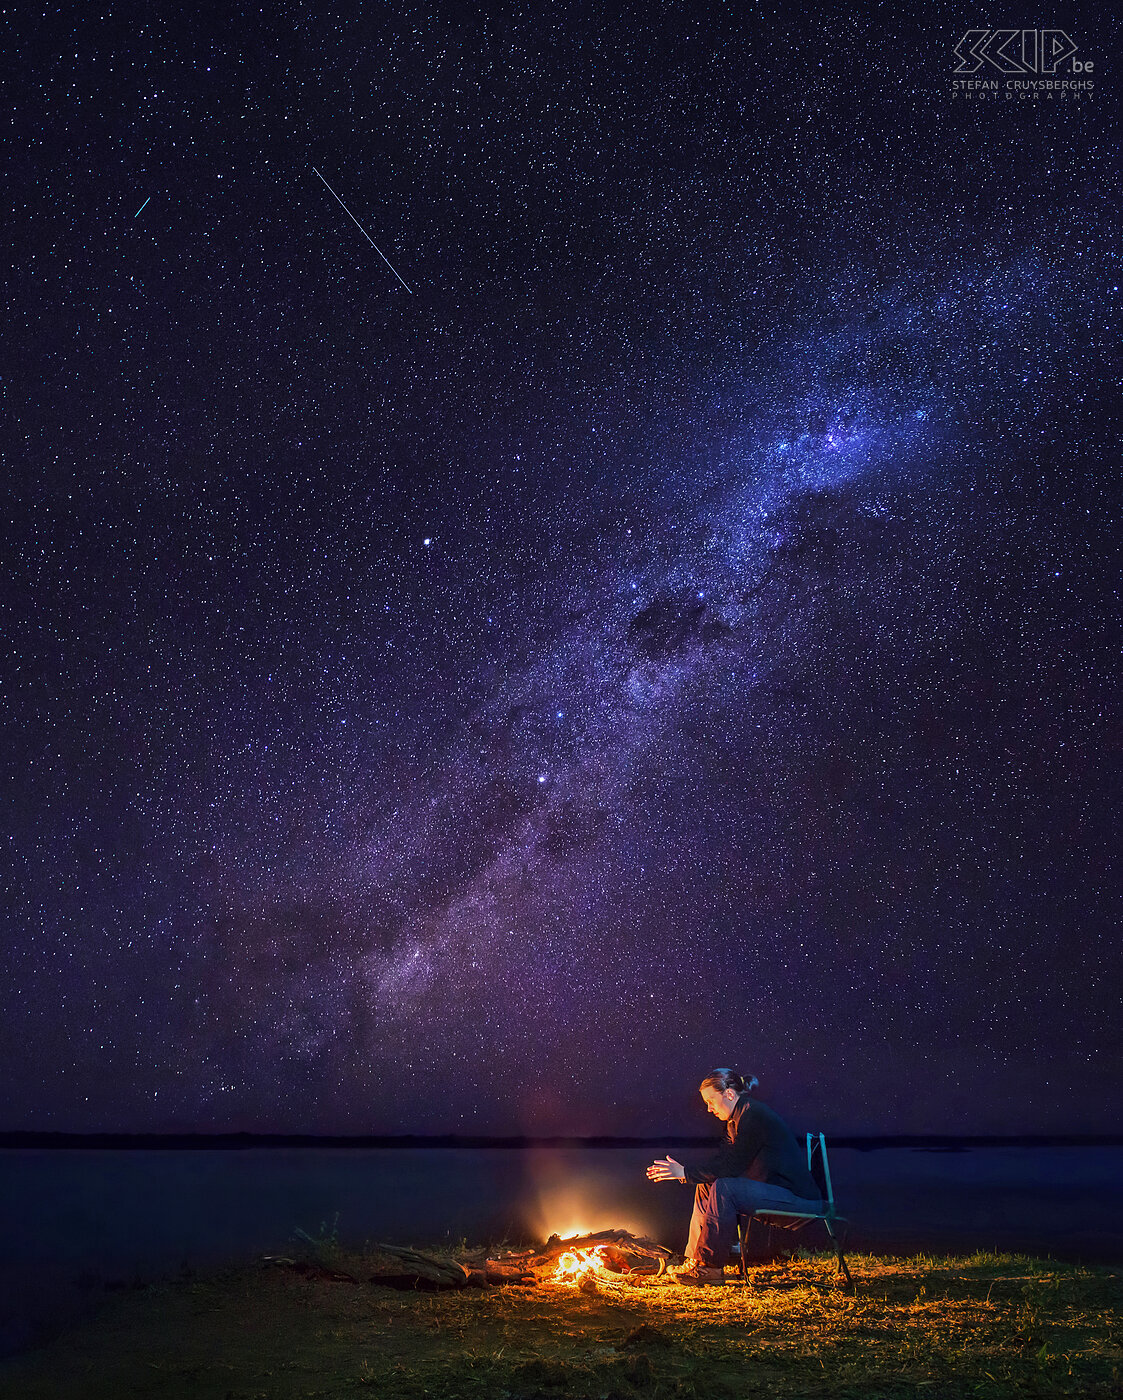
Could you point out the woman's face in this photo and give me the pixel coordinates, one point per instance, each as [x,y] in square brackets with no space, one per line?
[721,1105]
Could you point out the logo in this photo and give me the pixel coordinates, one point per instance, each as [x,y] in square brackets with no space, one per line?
[1012,51]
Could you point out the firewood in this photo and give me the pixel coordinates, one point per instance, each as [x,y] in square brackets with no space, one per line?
[547,1255]
[310,1269]
[443,1271]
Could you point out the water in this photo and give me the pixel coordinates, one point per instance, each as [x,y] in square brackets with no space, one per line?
[76,1223]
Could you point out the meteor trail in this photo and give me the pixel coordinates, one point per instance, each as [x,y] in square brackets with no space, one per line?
[368,238]
[142,207]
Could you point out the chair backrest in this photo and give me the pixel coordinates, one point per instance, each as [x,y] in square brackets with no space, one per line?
[817,1144]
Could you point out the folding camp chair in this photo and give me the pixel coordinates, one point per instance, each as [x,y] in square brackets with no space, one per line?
[797,1219]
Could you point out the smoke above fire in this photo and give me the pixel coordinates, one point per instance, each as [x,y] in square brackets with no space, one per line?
[568,1196]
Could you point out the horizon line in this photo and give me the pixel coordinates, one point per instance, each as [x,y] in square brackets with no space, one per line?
[245,1139]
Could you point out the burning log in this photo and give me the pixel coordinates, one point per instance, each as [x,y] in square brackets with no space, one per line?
[580,1256]
[555,1246]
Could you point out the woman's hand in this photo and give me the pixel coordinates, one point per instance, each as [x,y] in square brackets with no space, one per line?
[666,1169]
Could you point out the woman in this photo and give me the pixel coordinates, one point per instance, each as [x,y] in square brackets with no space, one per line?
[759,1165]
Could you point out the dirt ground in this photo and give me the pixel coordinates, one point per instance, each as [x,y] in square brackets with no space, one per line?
[985,1326]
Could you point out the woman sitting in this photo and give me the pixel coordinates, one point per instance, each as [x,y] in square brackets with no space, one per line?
[758,1167]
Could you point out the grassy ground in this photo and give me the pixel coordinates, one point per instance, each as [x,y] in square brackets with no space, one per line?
[986,1326]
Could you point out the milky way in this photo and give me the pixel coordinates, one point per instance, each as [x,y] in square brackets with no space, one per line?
[684,637]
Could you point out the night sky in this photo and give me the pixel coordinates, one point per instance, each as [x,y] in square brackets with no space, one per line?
[679,629]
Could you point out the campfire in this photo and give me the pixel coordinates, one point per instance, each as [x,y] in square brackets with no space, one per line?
[580,1261]
[583,1259]
[577,1262]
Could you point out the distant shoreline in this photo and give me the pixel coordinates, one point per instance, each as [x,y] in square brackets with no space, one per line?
[248,1141]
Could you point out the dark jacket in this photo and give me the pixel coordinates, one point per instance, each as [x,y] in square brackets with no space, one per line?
[758,1144]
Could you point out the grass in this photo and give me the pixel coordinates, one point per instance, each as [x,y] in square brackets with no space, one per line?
[985,1326]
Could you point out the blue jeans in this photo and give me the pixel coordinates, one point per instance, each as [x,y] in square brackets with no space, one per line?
[713,1226]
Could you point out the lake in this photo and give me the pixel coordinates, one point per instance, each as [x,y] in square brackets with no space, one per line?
[78,1222]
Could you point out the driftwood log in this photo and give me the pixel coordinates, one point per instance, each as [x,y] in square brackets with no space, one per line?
[425,1269]
[446,1272]
[309,1268]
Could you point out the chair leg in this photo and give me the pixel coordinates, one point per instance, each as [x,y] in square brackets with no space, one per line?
[843,1267]
[744,1224]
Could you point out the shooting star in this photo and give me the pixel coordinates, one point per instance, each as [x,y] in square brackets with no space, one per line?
[368,238]
[142,207]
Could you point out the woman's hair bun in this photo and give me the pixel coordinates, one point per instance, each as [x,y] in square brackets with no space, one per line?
[722,1079]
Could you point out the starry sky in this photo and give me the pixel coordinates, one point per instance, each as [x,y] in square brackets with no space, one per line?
[666,617]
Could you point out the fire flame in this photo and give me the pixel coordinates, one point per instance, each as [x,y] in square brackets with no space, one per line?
[575,1263]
